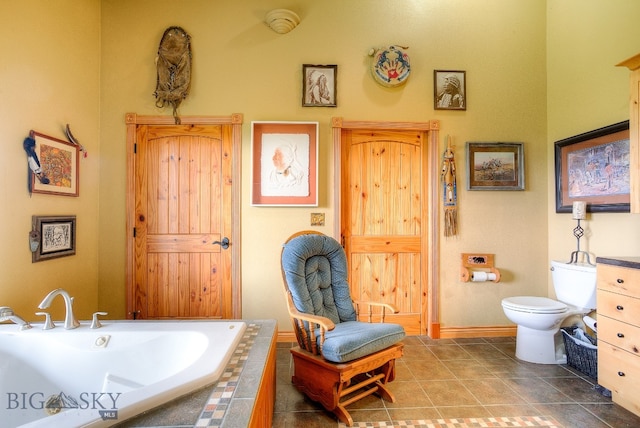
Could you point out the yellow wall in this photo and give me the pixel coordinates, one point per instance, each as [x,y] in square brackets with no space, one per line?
[49,76]
[585,92]
[240,65]
[536,72]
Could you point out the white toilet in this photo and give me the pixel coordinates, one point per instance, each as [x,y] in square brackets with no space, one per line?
[539,318]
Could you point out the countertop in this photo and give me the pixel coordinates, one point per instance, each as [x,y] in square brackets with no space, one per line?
[628,262]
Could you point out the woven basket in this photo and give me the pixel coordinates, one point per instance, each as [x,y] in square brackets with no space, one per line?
[579,356]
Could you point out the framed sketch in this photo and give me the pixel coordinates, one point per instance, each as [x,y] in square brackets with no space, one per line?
[59,161]
[319,85]
[449,90]
[55,236]
[495,166]
[594,167]
[285,163]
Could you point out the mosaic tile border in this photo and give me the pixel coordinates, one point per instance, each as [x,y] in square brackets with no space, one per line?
[214,411]
[521,421]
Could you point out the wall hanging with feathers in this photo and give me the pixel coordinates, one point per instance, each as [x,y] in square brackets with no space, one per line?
[173,65]
[449,191]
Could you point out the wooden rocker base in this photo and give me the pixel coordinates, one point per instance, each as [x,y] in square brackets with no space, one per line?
[328,383]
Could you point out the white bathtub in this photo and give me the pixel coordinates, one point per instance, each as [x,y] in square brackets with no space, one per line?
[106,375]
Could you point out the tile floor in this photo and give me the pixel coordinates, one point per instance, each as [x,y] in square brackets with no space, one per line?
[460,378]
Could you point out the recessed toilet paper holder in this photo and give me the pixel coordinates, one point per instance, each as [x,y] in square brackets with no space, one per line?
[474,262]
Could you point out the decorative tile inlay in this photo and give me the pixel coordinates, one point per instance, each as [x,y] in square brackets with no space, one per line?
[522,421]
[218,403]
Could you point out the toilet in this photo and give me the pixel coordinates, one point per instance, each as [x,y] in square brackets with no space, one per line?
[539,318]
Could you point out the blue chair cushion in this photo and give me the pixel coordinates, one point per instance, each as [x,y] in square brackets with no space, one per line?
[315,268]
[354,339]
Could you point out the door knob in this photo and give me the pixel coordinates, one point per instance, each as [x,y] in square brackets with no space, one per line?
[224,244]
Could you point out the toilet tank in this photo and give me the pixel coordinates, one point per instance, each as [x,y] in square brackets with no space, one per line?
[575,283]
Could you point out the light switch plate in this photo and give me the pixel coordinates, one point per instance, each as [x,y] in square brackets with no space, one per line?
[317,219]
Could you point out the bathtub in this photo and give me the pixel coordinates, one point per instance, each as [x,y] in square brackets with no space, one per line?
[99,377]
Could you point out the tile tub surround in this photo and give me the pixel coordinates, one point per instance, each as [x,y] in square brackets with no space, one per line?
[228,402]
[461,379]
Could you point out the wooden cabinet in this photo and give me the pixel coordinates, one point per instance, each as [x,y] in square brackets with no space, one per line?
[633,64]
[619,332]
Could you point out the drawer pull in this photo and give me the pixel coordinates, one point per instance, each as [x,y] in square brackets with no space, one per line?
[619,307]
[620,281]
[620,335]
[621,374]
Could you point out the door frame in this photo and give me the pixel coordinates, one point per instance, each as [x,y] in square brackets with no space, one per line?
[430,209]
[132,120]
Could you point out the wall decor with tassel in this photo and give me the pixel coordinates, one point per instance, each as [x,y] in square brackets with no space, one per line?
[449,191]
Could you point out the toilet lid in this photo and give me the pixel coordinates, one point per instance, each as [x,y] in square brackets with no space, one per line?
[534,304]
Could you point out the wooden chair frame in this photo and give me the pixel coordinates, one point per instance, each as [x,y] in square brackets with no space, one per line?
[336,385]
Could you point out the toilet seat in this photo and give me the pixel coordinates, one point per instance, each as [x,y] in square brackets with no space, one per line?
[534,305]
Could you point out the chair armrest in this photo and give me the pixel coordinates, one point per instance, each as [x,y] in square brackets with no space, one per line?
[324,323]
[384,306]
[308,341]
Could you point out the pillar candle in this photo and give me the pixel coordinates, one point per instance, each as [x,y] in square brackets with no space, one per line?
[579,210]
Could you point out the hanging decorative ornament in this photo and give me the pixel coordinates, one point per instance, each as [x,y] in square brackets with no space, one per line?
[390,66]
[449,191]
[173,65]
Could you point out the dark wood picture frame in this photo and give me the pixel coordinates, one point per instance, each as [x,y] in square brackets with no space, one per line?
[55,235]
[319,85]
[449,90]
[594,167]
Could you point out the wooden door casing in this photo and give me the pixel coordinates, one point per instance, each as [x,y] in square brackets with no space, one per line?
[183,181]
[385,216]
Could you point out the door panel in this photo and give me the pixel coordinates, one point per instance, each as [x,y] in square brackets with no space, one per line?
[181,210]
[383,233]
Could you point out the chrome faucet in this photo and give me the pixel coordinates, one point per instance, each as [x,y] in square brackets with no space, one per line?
[69,320]
[7,314]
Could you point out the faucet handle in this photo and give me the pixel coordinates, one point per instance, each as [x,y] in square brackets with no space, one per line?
[95,322]
[48,324]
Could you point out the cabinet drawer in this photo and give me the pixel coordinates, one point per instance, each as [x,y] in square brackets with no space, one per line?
[619,334]
[619,307]
[619,280]
[619,371]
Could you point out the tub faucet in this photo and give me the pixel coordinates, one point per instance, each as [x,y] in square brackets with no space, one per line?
[7,314]
[69,320]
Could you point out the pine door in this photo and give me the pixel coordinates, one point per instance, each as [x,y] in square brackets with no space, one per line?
[183,227]
[383,220]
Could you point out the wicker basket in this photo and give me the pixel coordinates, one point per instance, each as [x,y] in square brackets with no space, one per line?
[579,356]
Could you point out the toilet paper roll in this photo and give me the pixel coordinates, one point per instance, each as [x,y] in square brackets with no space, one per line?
[483,276]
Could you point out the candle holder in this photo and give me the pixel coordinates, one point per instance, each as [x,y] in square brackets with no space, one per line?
[579,213]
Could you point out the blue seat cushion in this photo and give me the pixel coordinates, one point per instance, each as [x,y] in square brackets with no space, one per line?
[351,340]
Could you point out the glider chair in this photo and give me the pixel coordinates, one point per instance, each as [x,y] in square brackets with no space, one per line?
[339,359]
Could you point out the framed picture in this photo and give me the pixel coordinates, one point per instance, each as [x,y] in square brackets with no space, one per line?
[285,163]
[59,161]
[449,90]
[594,167]
[52,237]
[495,166]
[319,85]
